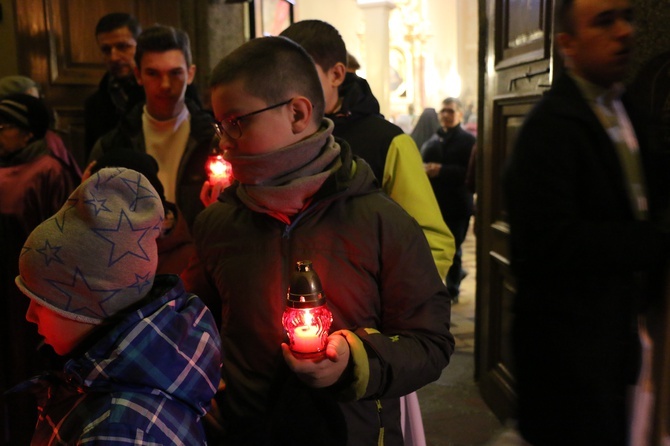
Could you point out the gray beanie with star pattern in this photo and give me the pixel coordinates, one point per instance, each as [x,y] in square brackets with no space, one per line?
[97,255]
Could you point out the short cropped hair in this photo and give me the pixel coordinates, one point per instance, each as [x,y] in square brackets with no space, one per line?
[272,68]
[116,20]
[352,62]
[455,101]
[565,20]
[321,40]
[161,38]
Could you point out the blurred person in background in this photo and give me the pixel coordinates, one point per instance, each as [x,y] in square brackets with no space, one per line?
[167,125]
[23,84]
[587,198]
[446,156]
[34,184]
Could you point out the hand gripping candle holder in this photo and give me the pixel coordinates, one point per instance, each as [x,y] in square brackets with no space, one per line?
[306,318]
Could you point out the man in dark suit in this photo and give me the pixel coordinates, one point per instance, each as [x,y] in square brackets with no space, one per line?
[116,34]
[446,156]
[118,92]
[584,194]
[167,125]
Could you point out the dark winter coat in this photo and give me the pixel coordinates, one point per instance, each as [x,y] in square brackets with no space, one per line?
[34,184]
[146,380]
[380,282]
[395,161]
[361,124]
[583,263]
[101,115]
[451,148]
[191,175]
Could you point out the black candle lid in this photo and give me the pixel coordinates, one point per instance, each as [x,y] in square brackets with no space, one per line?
[305,289]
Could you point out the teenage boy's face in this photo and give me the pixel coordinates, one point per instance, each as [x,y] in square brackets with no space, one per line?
[60,333]
[261,133]
[164,77]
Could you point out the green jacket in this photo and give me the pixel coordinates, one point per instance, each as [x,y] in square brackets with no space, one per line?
[396,163]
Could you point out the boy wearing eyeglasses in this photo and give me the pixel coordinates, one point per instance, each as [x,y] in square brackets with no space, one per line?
[168,125]
[301,194]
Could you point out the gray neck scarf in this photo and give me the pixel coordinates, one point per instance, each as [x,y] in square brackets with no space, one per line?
[281,183]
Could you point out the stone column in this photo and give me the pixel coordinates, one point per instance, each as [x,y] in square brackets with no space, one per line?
[218,28]
[376,17]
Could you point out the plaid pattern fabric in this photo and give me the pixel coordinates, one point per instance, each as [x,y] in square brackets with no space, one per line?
[147,382]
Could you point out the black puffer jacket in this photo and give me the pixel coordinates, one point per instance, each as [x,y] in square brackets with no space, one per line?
[360,123]
[101,114]
[378,275]
[451,148]
[191,176]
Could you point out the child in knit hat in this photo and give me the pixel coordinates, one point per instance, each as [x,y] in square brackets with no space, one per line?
[143,355]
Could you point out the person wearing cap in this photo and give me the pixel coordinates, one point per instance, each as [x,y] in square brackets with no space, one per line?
[143,355]
[23,84]
[18,84]
[34,184]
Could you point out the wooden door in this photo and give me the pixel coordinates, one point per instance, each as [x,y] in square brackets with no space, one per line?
[57,48]
[516,56]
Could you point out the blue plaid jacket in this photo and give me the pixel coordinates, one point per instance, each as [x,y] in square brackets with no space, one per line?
[146,382]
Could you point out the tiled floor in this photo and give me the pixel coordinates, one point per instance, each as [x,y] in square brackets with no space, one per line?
[463,313]
[453,411]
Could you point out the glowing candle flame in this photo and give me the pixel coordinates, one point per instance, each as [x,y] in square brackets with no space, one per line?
[306,317]
[218,169]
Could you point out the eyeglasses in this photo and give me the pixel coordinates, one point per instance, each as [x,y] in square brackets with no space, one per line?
[231,127]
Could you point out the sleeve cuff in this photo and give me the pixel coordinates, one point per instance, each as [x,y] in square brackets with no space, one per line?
[361,369]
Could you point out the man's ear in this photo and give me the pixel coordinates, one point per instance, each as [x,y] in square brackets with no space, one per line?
[138,78]
[565,46]
[26,136]
[337,74]
[191,74]
[301,109]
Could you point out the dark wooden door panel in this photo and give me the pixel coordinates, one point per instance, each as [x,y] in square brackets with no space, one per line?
[59,51]
[522,26]
[496,379]
[496,288]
